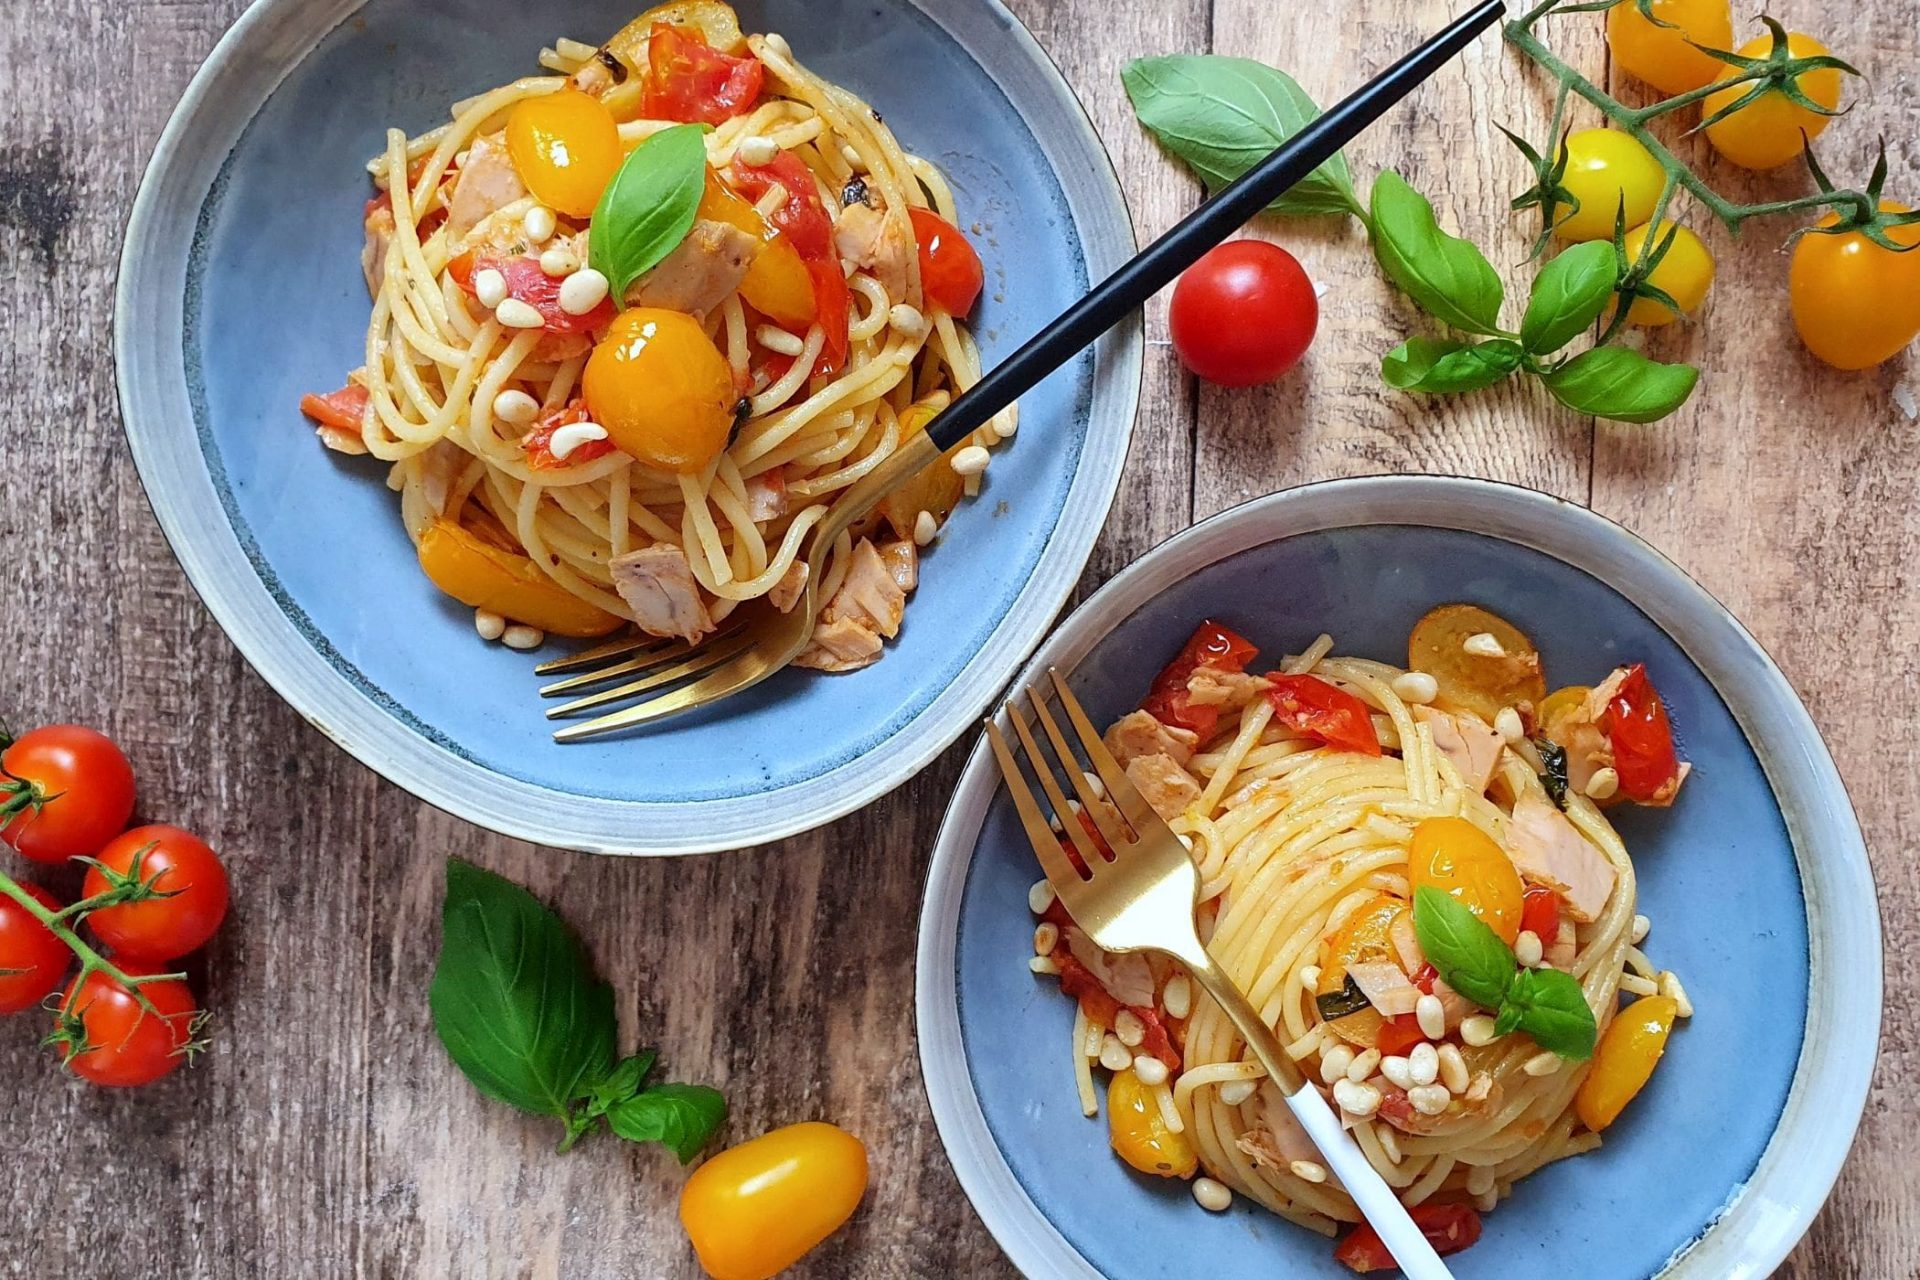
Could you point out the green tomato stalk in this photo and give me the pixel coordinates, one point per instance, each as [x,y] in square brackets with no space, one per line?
[122,889]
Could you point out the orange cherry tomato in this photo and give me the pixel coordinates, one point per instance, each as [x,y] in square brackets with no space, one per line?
[804,220]
[662,390]
[1855,303]
[1139,1132]
[1367,934]
[777,283]
[1463,862]
[1477,682]
[566,148]
[950,271]
[1629,1050]
[756,1209]
[1772,129]
[1666,56]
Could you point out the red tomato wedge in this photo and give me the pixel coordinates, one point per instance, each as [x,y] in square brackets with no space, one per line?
[1398,1035]
[1211,645]
[1309,705]
[1540,913]
[527,282]
[690,81]
[539,441]
[341,410]
[950,271]
[809,228]
[1636,723]
[1100,1006]
[1449,1228]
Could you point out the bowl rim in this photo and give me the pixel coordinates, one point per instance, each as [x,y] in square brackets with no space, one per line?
[1764,1217]
[247,64]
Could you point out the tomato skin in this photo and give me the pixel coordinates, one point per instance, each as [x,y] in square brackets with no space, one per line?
[1463,862]
[132,1046]
[1684,272]
[809,228]
[1663,56]
[527,282]
[1139,1133]
[1210,645]
[38,961]
[83,787]
[539,441]
[950,270]
[1623,1062]
[1320,710]
[1398,1035]
[1540,913]
[177,863]
[342,410]
[1856,304]
[1244,314]
[689,81]
[1767,132]
[754,1210]
[1608,170]
[1636,725]
[1449,1228]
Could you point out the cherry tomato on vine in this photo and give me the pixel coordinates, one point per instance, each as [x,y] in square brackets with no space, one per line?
[1855,303]
[123,1044]
[1683,273]
[1608,170]
[1244,314]
[176,863]
[754,1210]
[1663,56]
[64,791]
[32,960]
[1767,132]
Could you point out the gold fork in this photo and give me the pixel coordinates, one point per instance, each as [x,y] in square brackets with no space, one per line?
[767,640]
[1143,899]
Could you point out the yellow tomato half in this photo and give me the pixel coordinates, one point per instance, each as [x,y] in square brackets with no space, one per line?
[1766,133]
[1624,1061]
[756,1209]
[484,576]
[662,390]
[566,148]
[1463,862]
[1665,57]
[1140,1134]
[1367,934]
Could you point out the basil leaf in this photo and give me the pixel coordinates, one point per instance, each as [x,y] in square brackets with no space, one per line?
[1622,384]
[1470,956]
[1225,115]
[513,998]
[1338,1004]
[1553,1010]
[1554,757]
[1507,1021]
[1440,364]
[1448,277]
[648,208]
[619,1084]
[1568,296]
[683,1116]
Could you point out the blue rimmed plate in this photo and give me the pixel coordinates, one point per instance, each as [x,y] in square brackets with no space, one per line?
[240,289]
[1756,880]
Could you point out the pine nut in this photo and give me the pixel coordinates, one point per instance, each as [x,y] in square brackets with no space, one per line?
[1507,724]
[1416,687]
[489,288]
[1040,897]
[1357,1100]
[1310,976]
[907,319]
[489,624]
[582,291]
[515,407]
[558,263]
[925,529]
[1043,965]
[1527,949]
[1363,1065]
[778,340]
[1334,1063]
[1394,1068]
[1477,1029]
[1670,988]
[1453,1068]
[971,461]
[1115,1056]
[1541,1064]
[1641,928]
[523,637]
[1235,1092]
[1429,1099]
[1177,999]
[1151,1070]
[1603,784]
[539,224]
[1308,1171]
[757,150]
[1128,1027]
[1484,644]
[516,314]
[565,440]
[1432,1017]
[1211,1196]
[1046,936]
[1423,1064]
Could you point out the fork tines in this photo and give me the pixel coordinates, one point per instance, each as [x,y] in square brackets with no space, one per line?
[652,661]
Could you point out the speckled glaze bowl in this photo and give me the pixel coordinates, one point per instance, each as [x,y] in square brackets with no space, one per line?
[240,289]
[1757,883]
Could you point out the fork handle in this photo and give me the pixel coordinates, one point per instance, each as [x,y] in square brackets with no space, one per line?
[1382,1208]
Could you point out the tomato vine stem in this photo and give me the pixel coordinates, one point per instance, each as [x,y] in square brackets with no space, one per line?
[91,961]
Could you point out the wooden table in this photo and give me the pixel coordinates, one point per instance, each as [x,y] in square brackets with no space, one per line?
[327,1134]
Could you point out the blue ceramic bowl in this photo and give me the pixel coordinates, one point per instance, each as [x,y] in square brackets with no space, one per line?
[241,289]
[1756,880]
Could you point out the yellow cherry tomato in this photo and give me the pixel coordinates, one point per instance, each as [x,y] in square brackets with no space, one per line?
[756,1209]
[1367,934]
[1140,1134]
[662,390]
[1765,133]
[1624,1060]
[1662,56]
[1855,303]
[1683,274]
[777,283]
[1561,704]
[1482,683]
[566,148]
[484,576]
[1463,862]
[1608,169]
[936,489]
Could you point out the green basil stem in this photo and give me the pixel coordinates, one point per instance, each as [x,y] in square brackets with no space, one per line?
[91,961]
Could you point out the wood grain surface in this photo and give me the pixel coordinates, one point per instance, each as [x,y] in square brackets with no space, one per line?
[326,1134]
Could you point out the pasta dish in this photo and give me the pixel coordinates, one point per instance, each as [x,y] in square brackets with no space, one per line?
[638,321]
[1411,874]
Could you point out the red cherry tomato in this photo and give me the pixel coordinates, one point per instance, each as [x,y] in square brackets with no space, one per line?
[64,792]
[1636,724]
[527,282]
[1244,314]
[178,864]
[1211,645]
[809,228]
[950,270]
[1540,913]
[1309,705]
[122,1044]
[1449,1228]
[32,960]
[539,441]
[690,81]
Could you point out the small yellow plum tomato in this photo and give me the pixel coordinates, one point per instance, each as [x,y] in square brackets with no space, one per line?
[1662,55]
[756,1209]
[566,148]
[1766,133]
[1463,862]
[1856,303]
[662,390]
[1683,274]
[1608,170]
[1624,1061]
[1140,1134]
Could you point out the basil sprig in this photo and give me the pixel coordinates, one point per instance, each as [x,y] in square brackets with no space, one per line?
[1448,277]
[1441,364]
[1225,115]
[1547,1004]
[648,208]
[523,1016]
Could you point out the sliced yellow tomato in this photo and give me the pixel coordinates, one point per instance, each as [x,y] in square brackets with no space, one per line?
[1470,681]
[1624,1061]
[1463,862]
[1560,705]
[1367,934]
[936,489]
[1140,1133]
[756,1209]
[777,284]
[483,576]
